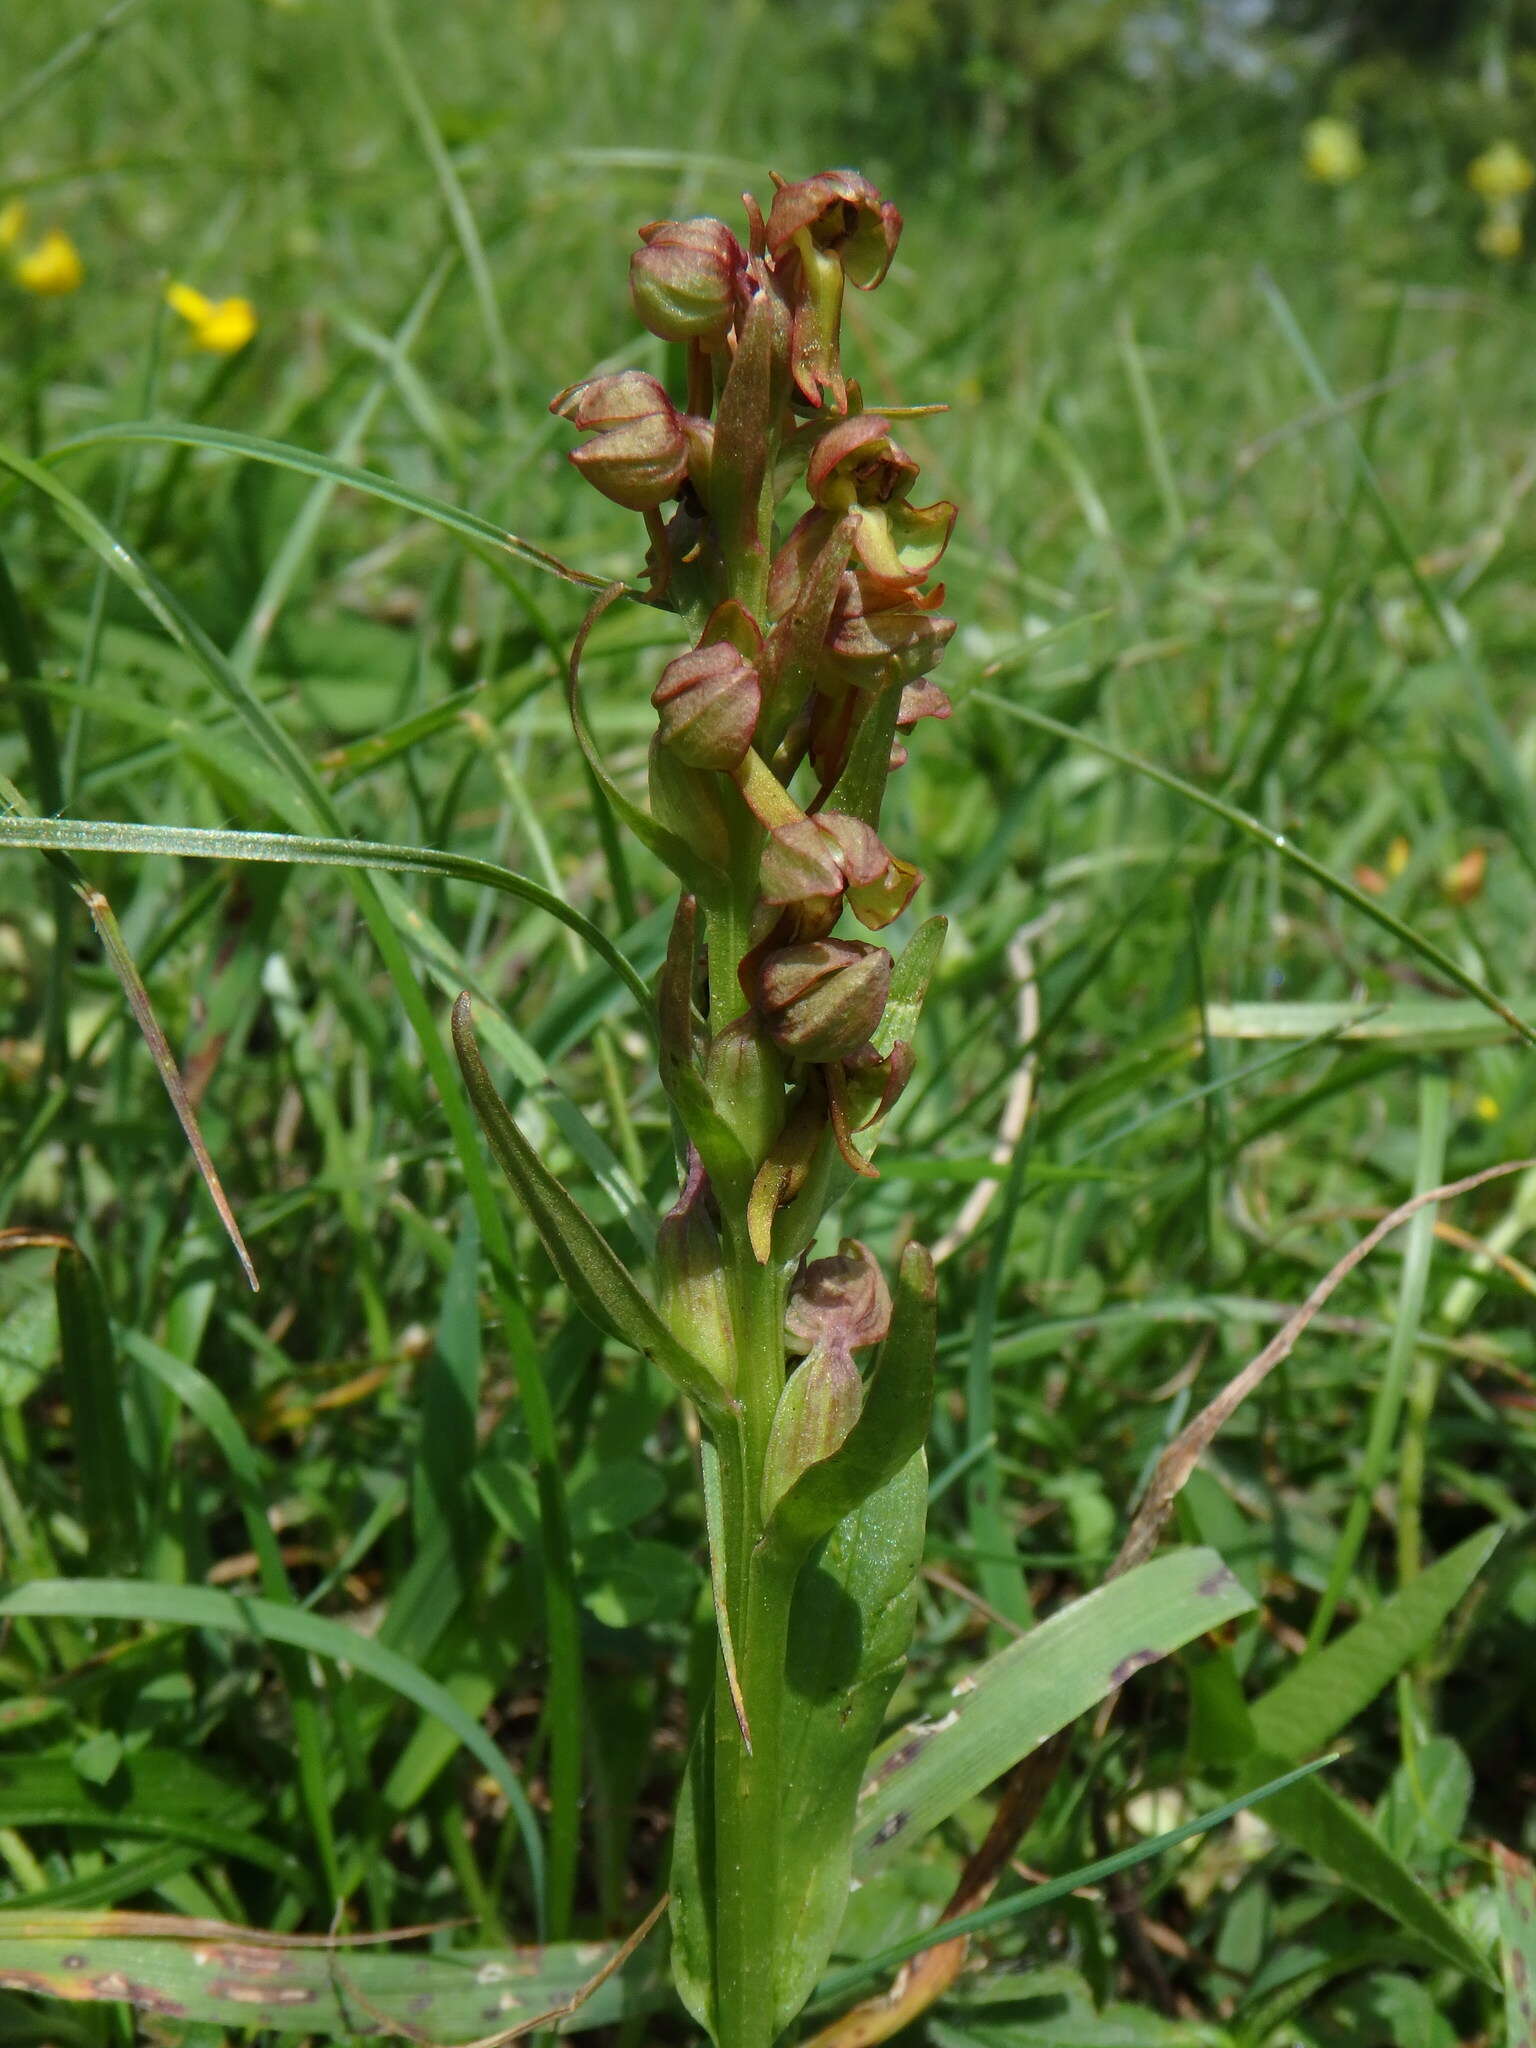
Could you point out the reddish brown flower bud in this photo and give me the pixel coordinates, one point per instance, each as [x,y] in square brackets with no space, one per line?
[821,1402]
[640,455]
[820,1001]
[686,283]
[709,700]
[840,1302]
[692,1294]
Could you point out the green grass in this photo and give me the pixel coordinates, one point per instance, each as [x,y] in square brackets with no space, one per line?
[1243,468]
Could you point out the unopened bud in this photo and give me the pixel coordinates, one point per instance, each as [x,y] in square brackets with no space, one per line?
[640,455]
[709,700]
[820,1404]
[688,802]
[820,1001]
[692,1294]
[686,283]
[744,1074]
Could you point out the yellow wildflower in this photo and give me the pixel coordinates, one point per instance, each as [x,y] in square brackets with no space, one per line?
[13,221]
[1503,171]
[1501,236]
[219,325]
[1399,853]
[1331,150]
[1487,1108]
[52,268]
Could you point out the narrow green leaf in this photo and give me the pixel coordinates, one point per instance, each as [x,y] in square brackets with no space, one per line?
[1275,842]
[203,1607]
[1021,1697]
[1322,1693]
[296,849]
[599,1281]
[282,455]
[892,1425]
[1434,1024]
[1003,1910]
[98,1432]
[909,984]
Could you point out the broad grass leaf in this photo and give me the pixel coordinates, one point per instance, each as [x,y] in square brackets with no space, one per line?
[851,1623]
[1018,1699]
[1517,1944]
[241,1978]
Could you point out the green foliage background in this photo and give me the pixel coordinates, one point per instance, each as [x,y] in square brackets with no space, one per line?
[1244,466]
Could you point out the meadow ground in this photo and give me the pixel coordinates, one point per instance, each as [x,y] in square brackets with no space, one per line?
[1243,466]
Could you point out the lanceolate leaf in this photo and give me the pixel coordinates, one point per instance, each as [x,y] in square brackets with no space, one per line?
[892,1426]
[1318,1821]
[1322,1693]
[849,1629]
[241,1978]
[1021,1697]
[599,1281]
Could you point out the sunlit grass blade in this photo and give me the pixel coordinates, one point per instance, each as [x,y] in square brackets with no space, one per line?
[841,1982]
[468,525]
[1036,1686]
[195,843]
[1274,842]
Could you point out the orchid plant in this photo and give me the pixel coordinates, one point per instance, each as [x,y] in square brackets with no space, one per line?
[783,1040]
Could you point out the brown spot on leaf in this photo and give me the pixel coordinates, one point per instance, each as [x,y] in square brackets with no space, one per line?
[1220,1581]
[1138,1660]
[888,1830]
[262,1994]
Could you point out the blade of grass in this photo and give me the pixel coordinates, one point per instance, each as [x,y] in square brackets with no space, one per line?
[1275,842]
[468,525]
[1386,1408]
[841,1982]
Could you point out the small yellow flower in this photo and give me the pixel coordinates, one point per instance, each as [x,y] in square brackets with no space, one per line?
[13,222]
[1331,150]
[1487,1108]
[1399,853]
[1501,236]
[1503,171]
[219,325]
[53,268]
